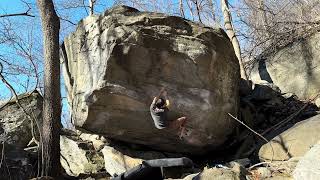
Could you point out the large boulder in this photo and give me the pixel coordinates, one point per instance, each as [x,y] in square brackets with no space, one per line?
[116,62]
[294,142]
[294,69]
[16,127]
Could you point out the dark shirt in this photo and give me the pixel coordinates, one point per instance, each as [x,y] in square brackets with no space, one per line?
[159,116]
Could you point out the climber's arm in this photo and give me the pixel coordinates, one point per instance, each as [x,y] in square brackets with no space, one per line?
[167,99]
[167,103]
[157,97]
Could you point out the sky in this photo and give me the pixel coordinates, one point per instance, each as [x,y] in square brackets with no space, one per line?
[29,29]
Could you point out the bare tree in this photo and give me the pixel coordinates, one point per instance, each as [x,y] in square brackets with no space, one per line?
[19,53]
[91,6]
[269,25]
[197,4]
[232,35]
[51,108]
[181,8]
[189,3]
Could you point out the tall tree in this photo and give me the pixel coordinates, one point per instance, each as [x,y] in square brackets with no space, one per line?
[91,6]
[52,107]
[232,36]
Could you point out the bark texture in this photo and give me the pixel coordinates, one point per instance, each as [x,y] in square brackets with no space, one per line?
[231,34]
[51,107]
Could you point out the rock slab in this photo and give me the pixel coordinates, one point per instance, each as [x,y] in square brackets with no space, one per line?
[294,142]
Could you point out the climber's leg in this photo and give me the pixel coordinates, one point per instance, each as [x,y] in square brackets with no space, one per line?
[179,124]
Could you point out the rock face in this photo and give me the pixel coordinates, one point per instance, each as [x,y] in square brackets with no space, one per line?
[15,134]
[294,142]
[308,167]
[115,63]
[15,126]
[79,157]
[294,69]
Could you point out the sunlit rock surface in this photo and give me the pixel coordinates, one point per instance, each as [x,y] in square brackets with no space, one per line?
[115,63]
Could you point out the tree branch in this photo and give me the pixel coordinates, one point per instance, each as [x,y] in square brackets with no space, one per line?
[20,14]
[17,14]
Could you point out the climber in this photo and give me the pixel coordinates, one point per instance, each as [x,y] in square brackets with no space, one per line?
[159,113]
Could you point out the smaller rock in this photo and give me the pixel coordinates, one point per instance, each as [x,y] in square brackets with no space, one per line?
[118,160]
[294,142]
[263,172]
[79,157]
[317,102]
[216,174]
[98,142]
[262,92]
[308,168]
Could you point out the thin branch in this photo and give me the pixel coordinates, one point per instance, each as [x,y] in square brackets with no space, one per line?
[2,155]
[19,14]
[67,20]
[9,86]
[254,133]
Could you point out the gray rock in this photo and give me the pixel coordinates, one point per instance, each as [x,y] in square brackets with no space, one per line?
[15,126]
[118,161]
[98,142]
[115,63]
[295,68]
[215,174]
[79,157]
[263,172]
[308,168]
[294,142]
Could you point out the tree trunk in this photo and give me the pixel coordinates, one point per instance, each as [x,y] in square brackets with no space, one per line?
[211,6]
[91,6]
[52,106]
[197,4]
[190,9]
[232,36]
[181,8]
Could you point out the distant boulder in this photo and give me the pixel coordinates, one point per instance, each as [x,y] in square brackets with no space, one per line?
[294,69]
